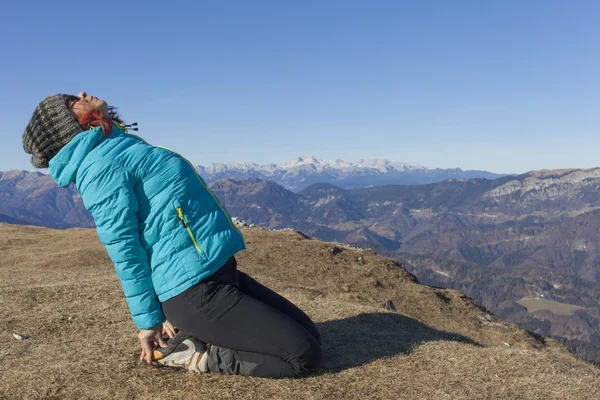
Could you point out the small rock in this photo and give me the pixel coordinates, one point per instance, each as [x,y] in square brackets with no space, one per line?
[335,250]
[485,317]
[506,344]
[18,336]
[495,325]
[389,305]
[67,319]
[239,223]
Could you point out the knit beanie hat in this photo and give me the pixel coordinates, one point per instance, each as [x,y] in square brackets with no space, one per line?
[51,127]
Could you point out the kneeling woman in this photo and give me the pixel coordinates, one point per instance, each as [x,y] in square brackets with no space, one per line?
[173,246]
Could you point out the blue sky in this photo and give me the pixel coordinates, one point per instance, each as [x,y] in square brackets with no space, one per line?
[506,86]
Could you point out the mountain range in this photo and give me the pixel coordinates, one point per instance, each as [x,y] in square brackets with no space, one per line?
[306,170]
[500,241]
[532,236]
[32,198]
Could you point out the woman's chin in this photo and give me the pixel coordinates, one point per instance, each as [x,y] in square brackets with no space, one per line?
[104,109]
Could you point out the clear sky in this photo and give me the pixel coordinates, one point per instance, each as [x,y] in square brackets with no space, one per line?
[505,86]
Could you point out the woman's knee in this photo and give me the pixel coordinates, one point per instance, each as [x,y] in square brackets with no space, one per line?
[310,358]
[317,336]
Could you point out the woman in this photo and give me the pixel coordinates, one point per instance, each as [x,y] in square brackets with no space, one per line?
[173,246]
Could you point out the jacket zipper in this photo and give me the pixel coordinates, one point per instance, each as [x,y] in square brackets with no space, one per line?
[186,226]
[200,180]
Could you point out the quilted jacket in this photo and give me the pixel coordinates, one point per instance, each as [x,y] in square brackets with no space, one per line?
[162,227]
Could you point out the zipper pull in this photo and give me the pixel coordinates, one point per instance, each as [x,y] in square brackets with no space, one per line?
[181,217]
[126,128]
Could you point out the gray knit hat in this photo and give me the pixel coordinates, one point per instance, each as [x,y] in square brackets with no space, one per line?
[51,127]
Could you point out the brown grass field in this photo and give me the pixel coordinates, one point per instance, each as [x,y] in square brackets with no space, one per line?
[60,289]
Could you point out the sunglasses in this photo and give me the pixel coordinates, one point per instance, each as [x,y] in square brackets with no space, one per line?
[70,101]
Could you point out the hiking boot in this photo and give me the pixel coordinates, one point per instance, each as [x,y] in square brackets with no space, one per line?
[183,351]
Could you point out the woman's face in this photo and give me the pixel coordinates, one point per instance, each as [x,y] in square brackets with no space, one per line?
[87,103]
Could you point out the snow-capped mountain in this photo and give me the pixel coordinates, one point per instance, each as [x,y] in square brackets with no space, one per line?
[306,170]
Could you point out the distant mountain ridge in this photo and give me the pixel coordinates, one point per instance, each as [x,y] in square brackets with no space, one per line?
[298,174]
[498,240]
[33,198]
[533,235]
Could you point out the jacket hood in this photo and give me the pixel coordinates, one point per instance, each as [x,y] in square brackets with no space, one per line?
[65,164]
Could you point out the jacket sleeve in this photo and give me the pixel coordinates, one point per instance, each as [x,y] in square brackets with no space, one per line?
[110,198]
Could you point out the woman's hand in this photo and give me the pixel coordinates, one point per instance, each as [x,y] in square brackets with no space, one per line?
[168,329]
[148,339]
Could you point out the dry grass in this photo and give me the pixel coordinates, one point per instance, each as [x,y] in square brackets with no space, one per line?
[59,288]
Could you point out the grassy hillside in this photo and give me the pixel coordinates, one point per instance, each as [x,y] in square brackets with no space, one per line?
[59,288]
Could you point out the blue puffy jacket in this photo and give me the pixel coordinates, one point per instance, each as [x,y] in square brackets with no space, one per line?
[162,227]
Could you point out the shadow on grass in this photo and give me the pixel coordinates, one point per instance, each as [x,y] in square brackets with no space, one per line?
[359,340]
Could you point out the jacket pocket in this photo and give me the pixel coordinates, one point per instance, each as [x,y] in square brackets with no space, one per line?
[185,225]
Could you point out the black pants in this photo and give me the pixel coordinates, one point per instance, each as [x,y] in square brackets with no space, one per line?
[252,330]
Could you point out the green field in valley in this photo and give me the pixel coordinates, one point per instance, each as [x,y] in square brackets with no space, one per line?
[557,308]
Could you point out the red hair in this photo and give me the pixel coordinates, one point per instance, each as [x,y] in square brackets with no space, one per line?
[96,118]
